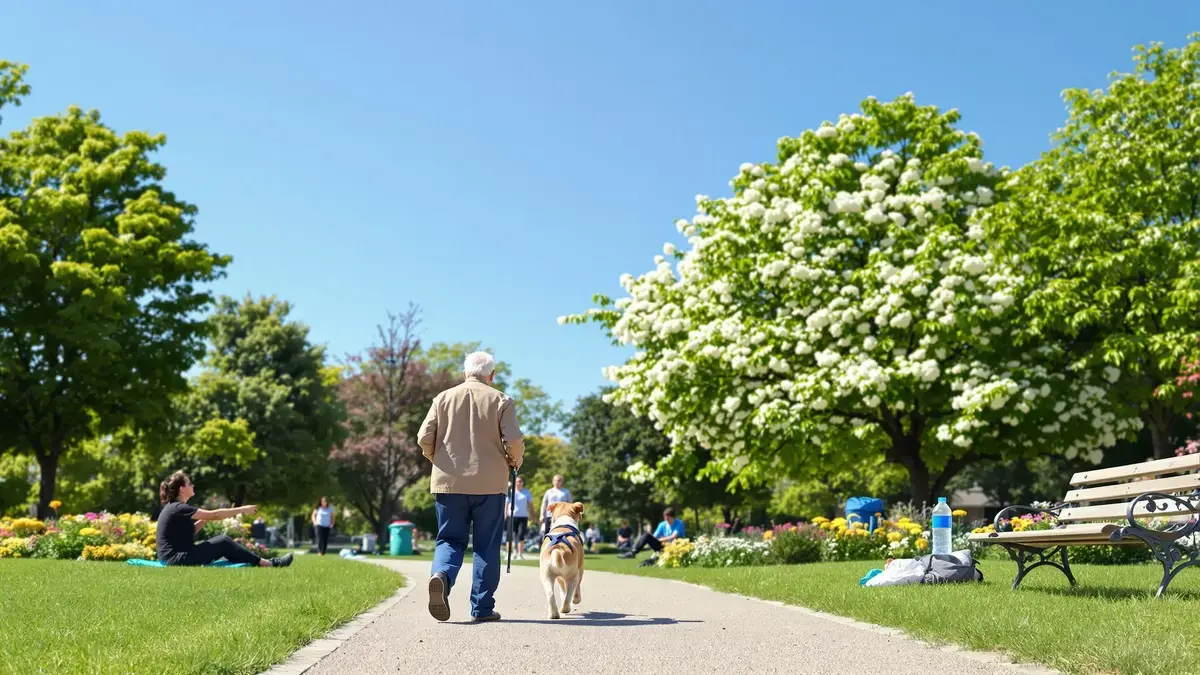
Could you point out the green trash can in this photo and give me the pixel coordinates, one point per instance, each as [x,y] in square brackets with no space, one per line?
[401,532]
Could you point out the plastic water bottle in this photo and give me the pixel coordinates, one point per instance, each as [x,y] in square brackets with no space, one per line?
[942,522]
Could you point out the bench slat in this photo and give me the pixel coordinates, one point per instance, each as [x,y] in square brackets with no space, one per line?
[1119,511]
[1112,492]
[1156,467]
[1064,534]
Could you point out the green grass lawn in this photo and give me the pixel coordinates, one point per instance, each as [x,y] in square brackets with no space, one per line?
[93,617]
[1110,623]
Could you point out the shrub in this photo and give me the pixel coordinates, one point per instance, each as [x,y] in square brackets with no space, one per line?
[24,527]
[729,552]
[795,546]
[1109,555]
[15,547]
[677,553]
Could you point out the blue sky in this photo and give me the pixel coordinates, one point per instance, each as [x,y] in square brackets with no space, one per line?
[498,163]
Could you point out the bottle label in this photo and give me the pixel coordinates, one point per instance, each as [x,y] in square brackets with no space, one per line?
[941,521]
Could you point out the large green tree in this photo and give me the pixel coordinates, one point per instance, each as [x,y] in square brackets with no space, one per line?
[843,304]
[1106,225]
[100,296]
[260,420]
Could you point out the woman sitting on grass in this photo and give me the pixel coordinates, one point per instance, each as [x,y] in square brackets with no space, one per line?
[177,530]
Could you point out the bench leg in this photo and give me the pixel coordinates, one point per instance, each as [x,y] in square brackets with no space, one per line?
[1043,557]
[1165,551]
[1171,557]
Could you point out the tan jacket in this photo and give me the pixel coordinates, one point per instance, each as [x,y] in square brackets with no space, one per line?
[464,435]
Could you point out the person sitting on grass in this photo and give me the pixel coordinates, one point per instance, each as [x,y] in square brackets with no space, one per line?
[670,529]
[624,537]
[591,537]
[178,524]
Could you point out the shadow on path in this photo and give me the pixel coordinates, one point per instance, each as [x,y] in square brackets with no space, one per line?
[610,619]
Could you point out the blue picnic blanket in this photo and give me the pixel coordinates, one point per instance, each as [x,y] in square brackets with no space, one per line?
[157,563]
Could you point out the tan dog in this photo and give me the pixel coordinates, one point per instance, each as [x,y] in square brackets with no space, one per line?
[562,556]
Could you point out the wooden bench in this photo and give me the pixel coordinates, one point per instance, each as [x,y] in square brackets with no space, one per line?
[1111,507]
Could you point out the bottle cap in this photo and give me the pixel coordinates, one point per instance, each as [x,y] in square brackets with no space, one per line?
[941,500]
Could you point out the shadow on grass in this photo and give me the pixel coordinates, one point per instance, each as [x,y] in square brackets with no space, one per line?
[1112,593]
[607,619]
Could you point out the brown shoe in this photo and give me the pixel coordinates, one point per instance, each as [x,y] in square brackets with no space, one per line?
[439,593]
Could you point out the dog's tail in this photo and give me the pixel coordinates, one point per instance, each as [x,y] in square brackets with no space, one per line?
[557,558]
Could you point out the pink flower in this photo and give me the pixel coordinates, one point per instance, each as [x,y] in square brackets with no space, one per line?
[90,516]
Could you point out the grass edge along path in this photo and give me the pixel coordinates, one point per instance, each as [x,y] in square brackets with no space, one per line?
[60,616]
[1109,623]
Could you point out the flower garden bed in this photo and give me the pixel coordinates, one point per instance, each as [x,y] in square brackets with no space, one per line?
[821,540]
[101,536]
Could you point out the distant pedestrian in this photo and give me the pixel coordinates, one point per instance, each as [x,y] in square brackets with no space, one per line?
[519,512]
[557,493]
[323,521]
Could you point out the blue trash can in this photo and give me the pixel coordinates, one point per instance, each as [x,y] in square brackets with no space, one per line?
[863,509]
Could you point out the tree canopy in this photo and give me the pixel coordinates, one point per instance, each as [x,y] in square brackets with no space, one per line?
[101,296]
[844,303]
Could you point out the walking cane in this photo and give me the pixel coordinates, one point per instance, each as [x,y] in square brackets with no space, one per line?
[512,509]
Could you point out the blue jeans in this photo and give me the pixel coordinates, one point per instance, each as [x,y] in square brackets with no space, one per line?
[456,514]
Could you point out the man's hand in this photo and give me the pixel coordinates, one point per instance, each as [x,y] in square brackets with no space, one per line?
[249,509]
[516,464]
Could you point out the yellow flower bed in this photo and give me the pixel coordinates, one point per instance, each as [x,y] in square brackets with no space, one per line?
[675,553]
[117,552]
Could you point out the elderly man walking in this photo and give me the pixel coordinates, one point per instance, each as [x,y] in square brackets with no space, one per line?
[472,438]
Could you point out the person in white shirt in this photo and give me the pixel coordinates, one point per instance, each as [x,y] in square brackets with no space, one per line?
[555,494]
[323,521]
[520,515]
[592,536]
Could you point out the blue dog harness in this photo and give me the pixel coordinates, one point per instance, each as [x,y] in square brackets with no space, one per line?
[563,538]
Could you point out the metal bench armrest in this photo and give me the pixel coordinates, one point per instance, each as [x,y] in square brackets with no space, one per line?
[1158,501]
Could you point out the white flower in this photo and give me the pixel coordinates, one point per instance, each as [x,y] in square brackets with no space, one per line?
[902,320]
[1112,374]
[826,131]
[910,176]
[562,320]
[875,216]
[669,248]
[975,165]
[839,159]
[974,265]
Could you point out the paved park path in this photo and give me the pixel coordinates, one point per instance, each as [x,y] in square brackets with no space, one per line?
[629,624]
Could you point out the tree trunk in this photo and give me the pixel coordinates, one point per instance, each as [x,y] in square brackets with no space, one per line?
[48,462]
[239,495]
[908,455]
[696,513]
[385,519]
[1158,419]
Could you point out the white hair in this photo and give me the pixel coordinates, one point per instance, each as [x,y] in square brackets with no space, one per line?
[479,364]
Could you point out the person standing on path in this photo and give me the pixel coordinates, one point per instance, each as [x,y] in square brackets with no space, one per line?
[471,437]
[323,520]
[555,494]
[520,515]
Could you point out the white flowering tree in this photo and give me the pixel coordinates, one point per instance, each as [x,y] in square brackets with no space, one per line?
[843,304]
[1108,225]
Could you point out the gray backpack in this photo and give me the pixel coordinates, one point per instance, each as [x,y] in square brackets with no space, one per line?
[954,567]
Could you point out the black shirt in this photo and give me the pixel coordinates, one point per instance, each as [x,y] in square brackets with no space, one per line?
[625,532]
[176,531]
